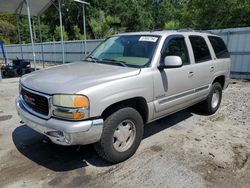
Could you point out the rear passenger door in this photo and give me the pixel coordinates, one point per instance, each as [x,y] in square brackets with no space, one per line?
[204,65]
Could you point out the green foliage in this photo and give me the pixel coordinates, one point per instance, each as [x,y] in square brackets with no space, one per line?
[24,30]
[7,29]
[209,14]
[77,34]
[57,34]
[172,25]
[104,26]
[107,17]
[46,35]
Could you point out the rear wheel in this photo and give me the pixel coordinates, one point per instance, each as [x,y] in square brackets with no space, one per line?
[122,134]
[212,103]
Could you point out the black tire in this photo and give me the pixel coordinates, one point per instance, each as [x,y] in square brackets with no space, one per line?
[5,74]
[19,72]
[207,105]
[105,147]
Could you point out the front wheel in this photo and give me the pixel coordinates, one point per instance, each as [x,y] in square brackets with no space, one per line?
[122,134]
[212,103]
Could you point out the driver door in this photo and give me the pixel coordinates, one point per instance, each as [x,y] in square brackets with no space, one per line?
[174,87]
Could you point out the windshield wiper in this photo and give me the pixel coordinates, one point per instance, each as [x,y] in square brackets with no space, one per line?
[122,63]
[93,59]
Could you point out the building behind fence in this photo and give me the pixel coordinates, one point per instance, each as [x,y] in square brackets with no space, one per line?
[237,40]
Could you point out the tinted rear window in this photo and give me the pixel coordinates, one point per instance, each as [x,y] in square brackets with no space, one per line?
[200,49]
[219,47]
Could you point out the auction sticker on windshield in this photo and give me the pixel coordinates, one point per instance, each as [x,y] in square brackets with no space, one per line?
[148,39]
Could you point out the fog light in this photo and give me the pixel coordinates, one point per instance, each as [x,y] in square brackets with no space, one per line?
[70,114]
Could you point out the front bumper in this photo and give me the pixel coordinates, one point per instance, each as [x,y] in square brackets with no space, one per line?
[60,131]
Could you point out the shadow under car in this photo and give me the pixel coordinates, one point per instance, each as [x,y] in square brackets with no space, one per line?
[40,150]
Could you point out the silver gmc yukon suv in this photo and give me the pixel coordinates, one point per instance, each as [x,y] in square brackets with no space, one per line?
[128,81]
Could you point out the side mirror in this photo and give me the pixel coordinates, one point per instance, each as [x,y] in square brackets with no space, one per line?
[171,62]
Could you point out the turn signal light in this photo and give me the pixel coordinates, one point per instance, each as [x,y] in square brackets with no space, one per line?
[81,101]
[77,115]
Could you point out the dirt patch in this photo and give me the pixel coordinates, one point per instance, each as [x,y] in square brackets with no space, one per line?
[156,148]
[15,167]
[6,117]
[217,117]
[186,149]
[241,156]
[56,181]
[79,181]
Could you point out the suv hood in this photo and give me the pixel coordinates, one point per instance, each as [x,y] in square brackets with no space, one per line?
[74,77]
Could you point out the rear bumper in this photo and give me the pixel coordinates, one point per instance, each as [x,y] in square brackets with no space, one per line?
[62,132]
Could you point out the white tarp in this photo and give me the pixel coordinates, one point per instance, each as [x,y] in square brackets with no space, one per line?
[36,6]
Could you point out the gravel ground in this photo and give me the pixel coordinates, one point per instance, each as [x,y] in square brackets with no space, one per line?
[186,149]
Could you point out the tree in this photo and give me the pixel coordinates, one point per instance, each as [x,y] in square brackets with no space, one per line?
[172,25]
[212,14]
[104,26]
[7,29]
[77,34]
[107,17]
[57,34]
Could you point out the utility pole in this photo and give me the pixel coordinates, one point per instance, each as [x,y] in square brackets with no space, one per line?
[84,23]
[61,28]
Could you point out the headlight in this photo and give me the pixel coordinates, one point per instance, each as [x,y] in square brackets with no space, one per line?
[70,101]
[74,107]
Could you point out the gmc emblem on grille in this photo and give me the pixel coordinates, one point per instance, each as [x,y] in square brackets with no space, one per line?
[29,100]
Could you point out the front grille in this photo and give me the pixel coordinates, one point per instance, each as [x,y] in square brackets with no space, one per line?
[36,102]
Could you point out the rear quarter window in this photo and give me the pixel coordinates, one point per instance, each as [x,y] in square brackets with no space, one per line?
[219,47]
[200,49]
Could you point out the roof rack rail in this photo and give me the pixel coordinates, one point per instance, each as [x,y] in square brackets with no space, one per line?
[155,29]
[195,30]
[185,30]
[206,31]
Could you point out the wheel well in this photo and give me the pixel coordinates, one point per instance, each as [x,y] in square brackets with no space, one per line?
[138,103]
[221,80]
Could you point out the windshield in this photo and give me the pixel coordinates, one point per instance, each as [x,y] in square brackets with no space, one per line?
[128,50]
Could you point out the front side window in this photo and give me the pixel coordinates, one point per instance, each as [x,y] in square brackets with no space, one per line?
[177,47]
[129,50]
[200,49]
[219,47]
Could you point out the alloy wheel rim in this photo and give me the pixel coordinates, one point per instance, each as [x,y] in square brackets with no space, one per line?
[215,98]
[124,136]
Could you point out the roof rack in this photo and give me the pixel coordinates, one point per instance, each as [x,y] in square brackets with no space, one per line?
[155,29]
[185,30]
[193,30]
[205,31]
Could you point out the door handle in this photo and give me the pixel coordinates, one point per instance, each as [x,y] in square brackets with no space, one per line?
[190,74]
[211,69]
